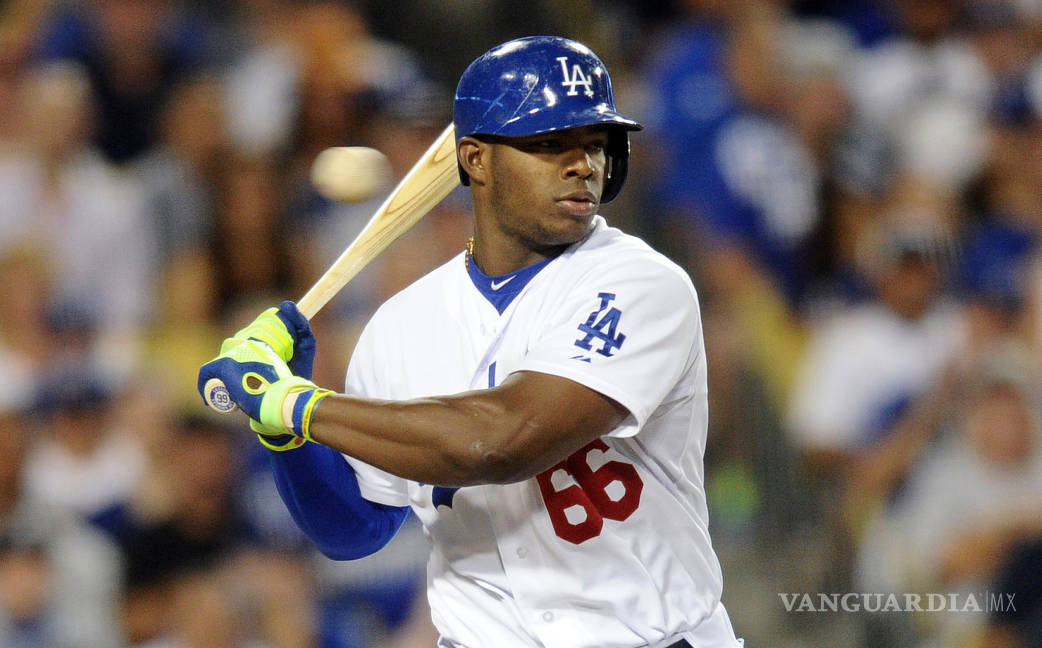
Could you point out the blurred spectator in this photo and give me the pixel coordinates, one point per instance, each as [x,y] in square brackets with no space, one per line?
[865,365]
[345,71]
[261,98]
[184,332]
[202,524]
[249,238]
[689,95]
[201,542]
[999,246]
[974,496]
[921,95]
[201,615]
[746,117]
[59,579]
[178,173]
[237,607]
[134,52]
[61,197]
[80,463]
[27,342]
[772,155]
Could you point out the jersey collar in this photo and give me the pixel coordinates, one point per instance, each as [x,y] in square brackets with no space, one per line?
[502,289]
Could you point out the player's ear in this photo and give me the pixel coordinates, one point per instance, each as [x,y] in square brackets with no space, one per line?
[474,158]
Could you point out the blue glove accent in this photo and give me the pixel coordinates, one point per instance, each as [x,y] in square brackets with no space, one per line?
[236,374]
[321,492]
[303,361]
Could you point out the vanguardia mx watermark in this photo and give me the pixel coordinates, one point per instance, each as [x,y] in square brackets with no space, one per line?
[874,602]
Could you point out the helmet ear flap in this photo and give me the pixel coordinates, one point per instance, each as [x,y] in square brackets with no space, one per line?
[618,153]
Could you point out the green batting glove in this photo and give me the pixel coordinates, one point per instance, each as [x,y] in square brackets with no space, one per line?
[288,333]
[269,329]
[262,385]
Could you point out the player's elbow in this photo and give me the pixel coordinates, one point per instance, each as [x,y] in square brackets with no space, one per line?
[503,455]
[469,462]
[497,441]
[355,540]
[359,532]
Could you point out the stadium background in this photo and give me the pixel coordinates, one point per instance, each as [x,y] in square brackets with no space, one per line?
[855,187]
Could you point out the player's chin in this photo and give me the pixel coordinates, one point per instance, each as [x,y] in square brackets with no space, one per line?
[565,230]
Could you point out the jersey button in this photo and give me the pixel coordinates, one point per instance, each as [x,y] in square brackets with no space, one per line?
[548,616]
[522,553]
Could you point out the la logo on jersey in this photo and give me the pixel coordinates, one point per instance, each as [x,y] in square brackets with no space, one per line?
[576,78]
[602,325]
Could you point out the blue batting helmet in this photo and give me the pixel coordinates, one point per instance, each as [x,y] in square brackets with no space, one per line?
[541,84]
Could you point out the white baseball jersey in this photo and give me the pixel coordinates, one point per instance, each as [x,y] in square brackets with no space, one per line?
[610,547]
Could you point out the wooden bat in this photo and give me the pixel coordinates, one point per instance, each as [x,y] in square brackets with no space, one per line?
[432,178]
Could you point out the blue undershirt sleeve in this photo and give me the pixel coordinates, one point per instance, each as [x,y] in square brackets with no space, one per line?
[321,492]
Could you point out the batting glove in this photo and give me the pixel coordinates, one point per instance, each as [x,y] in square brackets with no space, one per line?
[287,332]
[262,385]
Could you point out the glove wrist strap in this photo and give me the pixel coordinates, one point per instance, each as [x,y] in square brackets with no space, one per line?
[281,443]
[298,409]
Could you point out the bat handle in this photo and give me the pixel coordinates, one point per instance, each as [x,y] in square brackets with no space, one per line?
[217,397]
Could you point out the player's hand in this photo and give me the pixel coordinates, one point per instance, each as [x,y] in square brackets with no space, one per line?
[287,332]
[262,385]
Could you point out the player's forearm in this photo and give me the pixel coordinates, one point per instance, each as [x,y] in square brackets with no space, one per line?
[451,441]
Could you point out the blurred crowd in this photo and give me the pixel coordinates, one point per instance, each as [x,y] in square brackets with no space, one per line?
[855,187]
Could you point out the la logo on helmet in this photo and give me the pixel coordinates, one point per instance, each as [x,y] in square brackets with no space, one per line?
[577,78]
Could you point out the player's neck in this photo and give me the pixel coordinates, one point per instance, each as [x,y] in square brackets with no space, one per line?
[498,255]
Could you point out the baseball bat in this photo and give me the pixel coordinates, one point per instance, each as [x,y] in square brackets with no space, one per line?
[432,178]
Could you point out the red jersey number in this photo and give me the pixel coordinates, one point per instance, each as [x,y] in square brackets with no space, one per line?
[577,510]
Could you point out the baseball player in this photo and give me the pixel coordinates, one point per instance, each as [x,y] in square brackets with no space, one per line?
[539,401]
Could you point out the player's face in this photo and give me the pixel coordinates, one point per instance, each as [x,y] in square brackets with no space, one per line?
[547,188]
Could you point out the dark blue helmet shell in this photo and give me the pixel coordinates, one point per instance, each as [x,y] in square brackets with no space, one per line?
[541,84]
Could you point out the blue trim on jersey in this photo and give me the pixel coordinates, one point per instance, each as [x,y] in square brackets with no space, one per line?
[321,492]
[509,285]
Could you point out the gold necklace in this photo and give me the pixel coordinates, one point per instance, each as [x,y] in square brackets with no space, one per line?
[469,253]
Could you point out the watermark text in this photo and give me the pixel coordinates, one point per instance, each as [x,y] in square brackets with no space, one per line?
[874,602]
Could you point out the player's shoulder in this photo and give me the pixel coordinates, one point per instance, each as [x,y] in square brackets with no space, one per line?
[610,251]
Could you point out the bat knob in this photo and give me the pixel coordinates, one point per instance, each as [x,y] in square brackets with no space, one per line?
[217,396]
